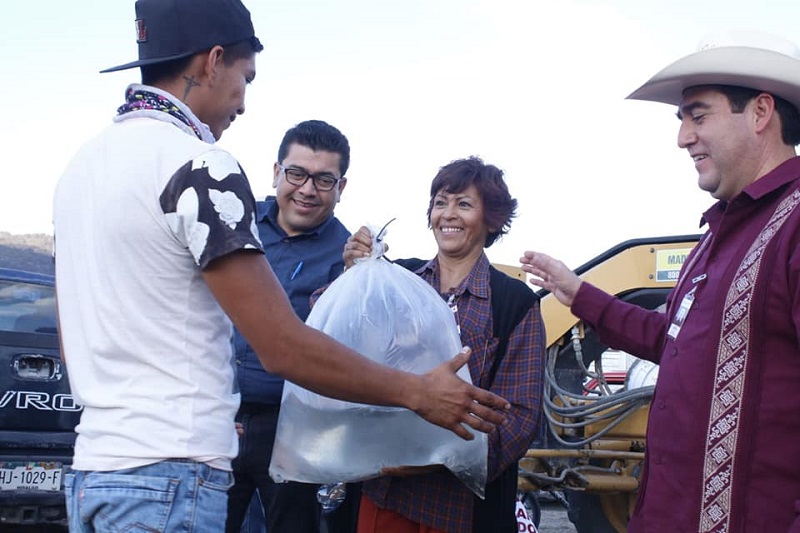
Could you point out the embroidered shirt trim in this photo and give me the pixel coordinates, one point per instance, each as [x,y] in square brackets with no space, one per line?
[731,370]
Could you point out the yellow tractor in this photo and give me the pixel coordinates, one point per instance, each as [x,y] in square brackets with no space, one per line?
[592,445]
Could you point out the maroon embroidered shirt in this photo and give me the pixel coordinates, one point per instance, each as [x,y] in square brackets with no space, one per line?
[723,438]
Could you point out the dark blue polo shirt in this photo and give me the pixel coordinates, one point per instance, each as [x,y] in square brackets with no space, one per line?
[302,264]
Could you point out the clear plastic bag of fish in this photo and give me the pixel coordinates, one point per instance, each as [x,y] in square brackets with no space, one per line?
[389,315]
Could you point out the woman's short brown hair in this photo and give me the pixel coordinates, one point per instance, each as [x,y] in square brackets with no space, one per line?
[498,205]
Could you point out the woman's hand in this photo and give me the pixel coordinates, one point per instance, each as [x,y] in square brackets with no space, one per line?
[358,246]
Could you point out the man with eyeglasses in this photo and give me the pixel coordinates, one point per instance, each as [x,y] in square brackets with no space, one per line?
[303,242]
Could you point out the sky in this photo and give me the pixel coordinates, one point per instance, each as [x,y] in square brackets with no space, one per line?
[534,87]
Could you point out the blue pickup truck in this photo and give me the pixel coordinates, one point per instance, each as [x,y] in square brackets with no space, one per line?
[37,412]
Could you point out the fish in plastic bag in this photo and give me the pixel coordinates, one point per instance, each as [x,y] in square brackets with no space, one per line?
[392,316]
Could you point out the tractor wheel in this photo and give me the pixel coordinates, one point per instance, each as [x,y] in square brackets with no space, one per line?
[586,513]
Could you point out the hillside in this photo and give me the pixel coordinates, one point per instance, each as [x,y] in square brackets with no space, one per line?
[32,252]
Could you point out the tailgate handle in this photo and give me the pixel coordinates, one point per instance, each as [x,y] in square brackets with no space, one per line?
[36,367]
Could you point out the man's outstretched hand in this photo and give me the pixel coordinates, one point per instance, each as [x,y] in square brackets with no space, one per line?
[448,401]
[552,275]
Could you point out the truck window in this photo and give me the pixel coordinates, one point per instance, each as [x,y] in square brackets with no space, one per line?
[27,308]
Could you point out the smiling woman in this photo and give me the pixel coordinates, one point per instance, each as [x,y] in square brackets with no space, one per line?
[470,207]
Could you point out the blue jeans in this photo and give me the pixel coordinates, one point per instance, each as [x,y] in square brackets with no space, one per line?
[170,496]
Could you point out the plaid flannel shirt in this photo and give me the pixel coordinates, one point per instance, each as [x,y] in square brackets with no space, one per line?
[439,500]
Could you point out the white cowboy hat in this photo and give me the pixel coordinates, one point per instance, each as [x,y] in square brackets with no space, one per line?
[749,59]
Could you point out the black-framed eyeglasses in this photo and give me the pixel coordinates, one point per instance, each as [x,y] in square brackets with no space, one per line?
[324,181]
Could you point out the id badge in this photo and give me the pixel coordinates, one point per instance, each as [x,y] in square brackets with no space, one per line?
[681,314]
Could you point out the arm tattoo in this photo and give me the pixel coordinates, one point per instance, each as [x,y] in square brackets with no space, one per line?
[190,83]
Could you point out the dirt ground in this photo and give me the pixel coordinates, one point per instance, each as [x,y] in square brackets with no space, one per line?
[554,519]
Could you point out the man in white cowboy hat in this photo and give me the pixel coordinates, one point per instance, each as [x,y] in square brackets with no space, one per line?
[156,243]
[722,442]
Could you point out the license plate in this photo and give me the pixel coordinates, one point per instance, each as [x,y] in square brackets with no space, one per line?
[30,476]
